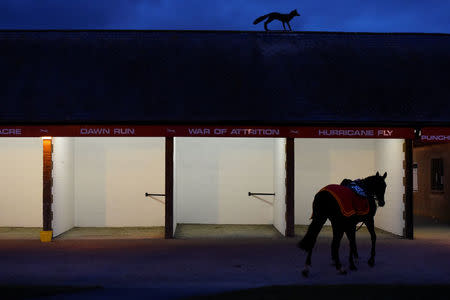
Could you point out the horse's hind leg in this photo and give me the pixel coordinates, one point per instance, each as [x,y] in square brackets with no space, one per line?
[338,232]
[309,240]
[305,271]
[350,232]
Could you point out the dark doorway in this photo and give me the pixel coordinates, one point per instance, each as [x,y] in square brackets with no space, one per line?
[431,190]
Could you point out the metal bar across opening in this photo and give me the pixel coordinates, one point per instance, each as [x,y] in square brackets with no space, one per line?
[150,195]
[261,194]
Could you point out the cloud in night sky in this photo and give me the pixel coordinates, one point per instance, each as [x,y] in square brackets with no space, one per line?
[316,15]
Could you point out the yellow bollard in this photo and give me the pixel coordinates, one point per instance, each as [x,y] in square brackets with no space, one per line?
[46,236]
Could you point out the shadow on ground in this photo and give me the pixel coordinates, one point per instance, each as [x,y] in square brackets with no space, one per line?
[366,292]
[31,292]
[347,292]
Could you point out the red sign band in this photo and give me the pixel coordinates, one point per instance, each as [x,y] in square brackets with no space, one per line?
[435,135]
[205,131]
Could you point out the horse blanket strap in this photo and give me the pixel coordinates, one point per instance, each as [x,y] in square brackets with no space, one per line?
[349,202]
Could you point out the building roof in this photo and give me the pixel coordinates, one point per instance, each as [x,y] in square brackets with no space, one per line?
[275,78]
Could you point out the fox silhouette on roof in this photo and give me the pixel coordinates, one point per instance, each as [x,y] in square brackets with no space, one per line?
[284,18]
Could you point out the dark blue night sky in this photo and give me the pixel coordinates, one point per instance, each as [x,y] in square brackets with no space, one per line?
[316,15]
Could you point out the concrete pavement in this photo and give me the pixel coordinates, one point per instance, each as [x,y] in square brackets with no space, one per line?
[170,269]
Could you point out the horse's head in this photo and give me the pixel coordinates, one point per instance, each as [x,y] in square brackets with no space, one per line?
[378,187]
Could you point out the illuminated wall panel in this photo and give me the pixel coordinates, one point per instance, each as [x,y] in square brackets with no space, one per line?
[21,182]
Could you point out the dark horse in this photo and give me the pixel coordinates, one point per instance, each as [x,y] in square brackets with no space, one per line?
[325,207]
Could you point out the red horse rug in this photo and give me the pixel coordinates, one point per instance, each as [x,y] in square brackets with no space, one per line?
[349,202]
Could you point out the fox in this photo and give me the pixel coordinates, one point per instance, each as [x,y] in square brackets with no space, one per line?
[284,18]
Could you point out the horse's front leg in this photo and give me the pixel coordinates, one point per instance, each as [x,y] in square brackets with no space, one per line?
[371,228]
[338,232]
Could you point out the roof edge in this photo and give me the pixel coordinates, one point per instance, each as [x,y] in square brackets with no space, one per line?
[271,32]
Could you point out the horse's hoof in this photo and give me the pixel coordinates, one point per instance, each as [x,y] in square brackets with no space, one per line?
[342,272]
[305,273]
[371,262]
[353,268]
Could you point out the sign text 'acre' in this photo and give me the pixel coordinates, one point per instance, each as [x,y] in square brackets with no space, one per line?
[10,131]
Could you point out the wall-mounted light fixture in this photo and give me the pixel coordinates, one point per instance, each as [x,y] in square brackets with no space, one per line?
[417,133]
[46,137]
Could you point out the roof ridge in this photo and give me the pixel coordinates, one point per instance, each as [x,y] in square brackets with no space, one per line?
[272,32]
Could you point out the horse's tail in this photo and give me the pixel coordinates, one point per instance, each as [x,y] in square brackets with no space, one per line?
[309,240]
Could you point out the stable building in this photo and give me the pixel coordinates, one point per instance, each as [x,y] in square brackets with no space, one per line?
[160,128]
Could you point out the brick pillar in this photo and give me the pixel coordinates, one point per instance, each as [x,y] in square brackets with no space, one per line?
[47,196]
[408,196]
[169,188]
[290,185]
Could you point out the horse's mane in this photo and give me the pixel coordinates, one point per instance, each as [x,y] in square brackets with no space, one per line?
[370,184]
[370,180]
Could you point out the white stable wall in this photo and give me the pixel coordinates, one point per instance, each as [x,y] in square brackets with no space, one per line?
[279,166]
[389,157]
[214,176]
[63,185]
[112,176]
[319,162]
[21,182]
